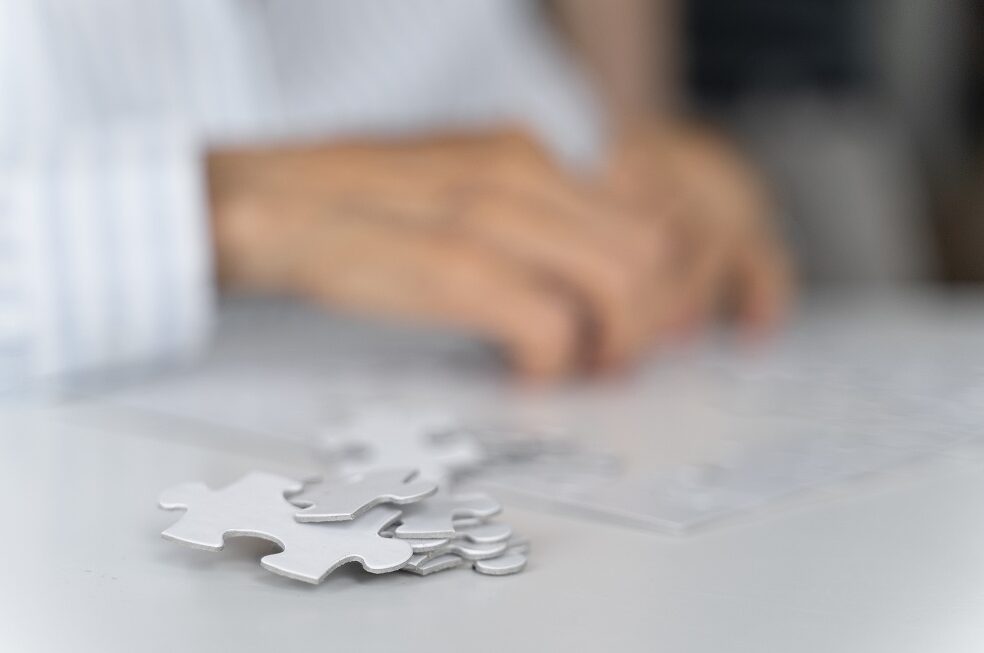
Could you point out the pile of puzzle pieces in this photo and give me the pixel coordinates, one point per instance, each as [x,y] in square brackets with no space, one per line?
[385,519]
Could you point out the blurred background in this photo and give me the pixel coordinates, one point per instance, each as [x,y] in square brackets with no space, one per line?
[160,152]
[867,116]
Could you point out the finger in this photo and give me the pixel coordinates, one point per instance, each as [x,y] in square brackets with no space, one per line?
[619,228]
[640,240]
[698,283]
[764,285]
[378,268]
[612,286]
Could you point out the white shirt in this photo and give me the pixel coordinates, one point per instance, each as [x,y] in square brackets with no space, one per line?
[106,107]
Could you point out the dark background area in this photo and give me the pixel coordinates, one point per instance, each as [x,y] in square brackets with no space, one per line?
[900,81]
[768,46]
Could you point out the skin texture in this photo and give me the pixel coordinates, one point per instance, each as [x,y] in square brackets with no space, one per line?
[719,213]
[482,231]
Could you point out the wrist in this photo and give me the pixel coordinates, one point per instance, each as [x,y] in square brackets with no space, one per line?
[255,232]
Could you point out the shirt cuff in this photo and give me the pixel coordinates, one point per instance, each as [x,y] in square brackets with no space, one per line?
[106,238]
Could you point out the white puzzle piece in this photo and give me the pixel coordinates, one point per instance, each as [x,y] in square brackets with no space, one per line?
[512,561]
[390,437]
[346,498]
[483,533]
[424,545]
[434,518]
[471,550]
[466,522]
[423,565]
[254,506]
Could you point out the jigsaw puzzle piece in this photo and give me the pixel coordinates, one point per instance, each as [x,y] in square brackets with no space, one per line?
[423,545]
[346,499]
[207,510]
[472,551]
[190,531]
[512,561]
[460,546]
[483,533]
[423,565]
[392,437]
[254,506]
[434,518]
[344,542]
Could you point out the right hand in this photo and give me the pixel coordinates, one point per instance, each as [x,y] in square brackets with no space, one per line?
[479,232]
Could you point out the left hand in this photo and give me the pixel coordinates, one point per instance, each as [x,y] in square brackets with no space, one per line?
[729,255]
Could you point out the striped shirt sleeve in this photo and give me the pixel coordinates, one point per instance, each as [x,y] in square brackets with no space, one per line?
[105,253]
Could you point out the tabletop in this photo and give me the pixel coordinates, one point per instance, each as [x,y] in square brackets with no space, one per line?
[891,563]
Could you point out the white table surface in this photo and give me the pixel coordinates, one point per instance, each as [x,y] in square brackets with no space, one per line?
[894,564]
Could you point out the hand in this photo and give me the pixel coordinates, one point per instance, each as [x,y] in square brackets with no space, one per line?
[720,215]
[482,232]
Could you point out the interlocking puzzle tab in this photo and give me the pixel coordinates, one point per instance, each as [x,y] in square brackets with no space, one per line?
[255,506]
[363,524]
[346,498]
